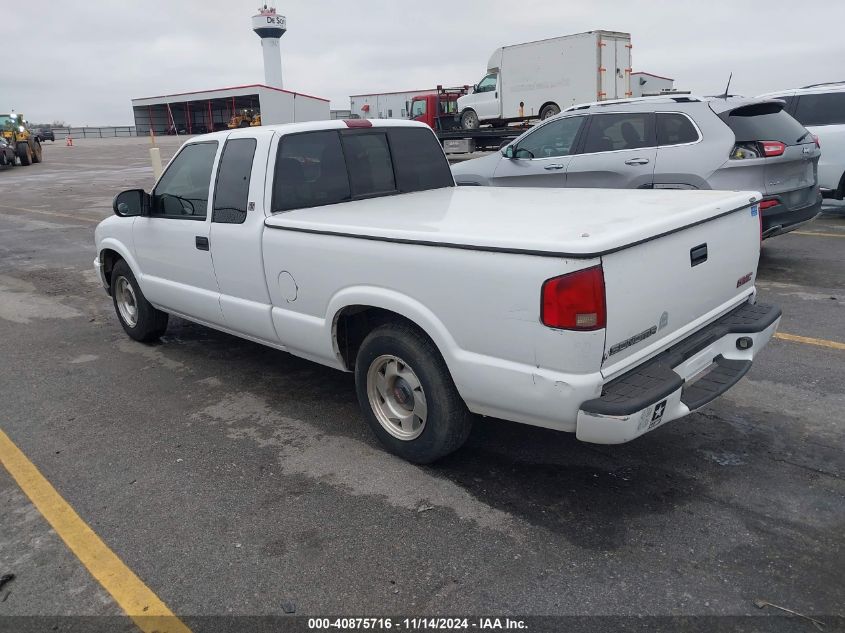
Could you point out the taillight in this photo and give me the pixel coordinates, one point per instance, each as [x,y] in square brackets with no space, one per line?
[772,148]
[768,204]
[757,149]
[816,141]
[575,301]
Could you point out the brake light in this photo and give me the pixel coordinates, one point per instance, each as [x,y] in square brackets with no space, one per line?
[358,123]
[768,204]
[816,141]
[575,301]
[772,148]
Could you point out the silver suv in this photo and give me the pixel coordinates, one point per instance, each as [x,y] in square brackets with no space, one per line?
[668,142]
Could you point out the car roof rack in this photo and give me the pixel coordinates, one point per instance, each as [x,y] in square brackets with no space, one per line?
[826,83]
[667,98]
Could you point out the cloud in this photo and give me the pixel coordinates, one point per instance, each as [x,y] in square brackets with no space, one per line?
[90,57]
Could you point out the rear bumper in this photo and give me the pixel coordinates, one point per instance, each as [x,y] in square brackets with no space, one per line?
[781,219]
[682,379]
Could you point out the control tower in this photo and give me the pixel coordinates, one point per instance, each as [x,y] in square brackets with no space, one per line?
[270,26]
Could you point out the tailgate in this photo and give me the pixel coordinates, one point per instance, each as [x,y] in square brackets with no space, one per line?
[793,174]
[661,290]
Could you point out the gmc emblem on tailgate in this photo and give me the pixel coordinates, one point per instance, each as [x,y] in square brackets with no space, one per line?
[744,279]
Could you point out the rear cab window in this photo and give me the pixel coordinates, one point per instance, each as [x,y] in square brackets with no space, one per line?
[332,166]
[764,122]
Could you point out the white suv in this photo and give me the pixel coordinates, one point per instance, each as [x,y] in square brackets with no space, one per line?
[821,109]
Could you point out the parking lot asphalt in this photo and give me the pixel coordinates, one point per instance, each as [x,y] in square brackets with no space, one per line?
[235,479]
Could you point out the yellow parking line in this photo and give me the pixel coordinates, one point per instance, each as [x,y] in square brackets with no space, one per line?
[810,341]
[819,234]
[138,602]
[50,213]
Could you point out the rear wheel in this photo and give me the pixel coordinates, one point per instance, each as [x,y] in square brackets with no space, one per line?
[469,120]
[408,396]
[25,153]
[138,317]
[549,110]
[36,152]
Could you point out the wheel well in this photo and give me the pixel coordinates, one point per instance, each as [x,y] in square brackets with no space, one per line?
[840,192]
[108,258]
[352,325]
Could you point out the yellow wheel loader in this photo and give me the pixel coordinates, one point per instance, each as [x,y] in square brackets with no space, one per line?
[15,130]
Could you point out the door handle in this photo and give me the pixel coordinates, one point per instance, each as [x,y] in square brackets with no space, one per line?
[637,161]
[553,166]
[202,243]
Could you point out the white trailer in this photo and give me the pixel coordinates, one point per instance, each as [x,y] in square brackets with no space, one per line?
[539,79]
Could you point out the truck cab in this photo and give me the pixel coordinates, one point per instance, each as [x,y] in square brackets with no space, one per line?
[439,111]
[483,102]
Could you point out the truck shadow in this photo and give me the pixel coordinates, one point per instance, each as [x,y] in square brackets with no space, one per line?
[591,495]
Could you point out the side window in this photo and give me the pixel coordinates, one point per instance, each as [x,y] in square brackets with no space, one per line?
[675,129]
[232,190]
[369,164]
[182,192]
[488,84]
[418,108]
[310,171]
[821,109]
[613,132]
[418,160]
[552,139]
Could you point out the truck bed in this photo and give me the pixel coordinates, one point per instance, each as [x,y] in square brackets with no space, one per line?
[579,223]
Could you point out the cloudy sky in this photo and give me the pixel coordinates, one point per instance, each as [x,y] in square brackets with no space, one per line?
[82,61]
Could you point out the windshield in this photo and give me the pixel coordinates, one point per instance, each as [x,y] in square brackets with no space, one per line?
[418,108]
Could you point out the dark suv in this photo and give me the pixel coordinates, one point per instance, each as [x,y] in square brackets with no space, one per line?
[44,134]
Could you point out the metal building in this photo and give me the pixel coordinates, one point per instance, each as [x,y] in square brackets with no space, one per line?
[211,110]
[385,105]
[646,84]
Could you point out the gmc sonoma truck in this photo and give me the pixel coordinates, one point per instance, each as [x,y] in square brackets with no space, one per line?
[604,313]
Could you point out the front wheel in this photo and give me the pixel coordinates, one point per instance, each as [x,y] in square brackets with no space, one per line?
[407,395]
[25,153]
[549,111]
[469,120]
[138,317]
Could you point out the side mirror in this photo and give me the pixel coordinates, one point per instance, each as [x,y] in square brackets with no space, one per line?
[131,203]
[475,87]
[508,152]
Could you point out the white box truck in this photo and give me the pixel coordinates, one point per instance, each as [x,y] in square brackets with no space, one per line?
[539,79]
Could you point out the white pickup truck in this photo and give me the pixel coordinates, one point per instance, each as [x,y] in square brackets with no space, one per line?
[604,313]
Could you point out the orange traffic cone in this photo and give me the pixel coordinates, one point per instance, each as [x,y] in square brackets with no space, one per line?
[69,141]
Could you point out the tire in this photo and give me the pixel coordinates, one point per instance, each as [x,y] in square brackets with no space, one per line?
[145,323]
[469,120]
[25,153]
[549,110]
[36,152]
[418,375]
